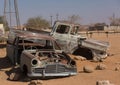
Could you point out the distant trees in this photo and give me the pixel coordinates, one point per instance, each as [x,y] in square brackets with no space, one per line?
[5,23]
[1,20]
[37,23]
[74,18]
[114,21]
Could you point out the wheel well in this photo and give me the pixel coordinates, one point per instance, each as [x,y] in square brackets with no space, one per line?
[25,69]
[85,52]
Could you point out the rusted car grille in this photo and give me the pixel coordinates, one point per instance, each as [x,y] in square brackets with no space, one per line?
[39,70]
[55,68]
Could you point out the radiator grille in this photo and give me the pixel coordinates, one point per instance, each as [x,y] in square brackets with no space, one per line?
[39,70]
[55,68]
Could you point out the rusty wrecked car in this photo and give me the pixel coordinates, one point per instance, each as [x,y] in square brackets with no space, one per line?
[39,55]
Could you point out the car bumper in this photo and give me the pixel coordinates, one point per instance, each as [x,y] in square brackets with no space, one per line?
[51,74]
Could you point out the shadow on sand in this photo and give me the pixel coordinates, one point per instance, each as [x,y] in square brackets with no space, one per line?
[5,63]
[2,45]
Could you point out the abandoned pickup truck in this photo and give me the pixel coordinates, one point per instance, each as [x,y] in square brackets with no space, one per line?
[66,34]
[39,55]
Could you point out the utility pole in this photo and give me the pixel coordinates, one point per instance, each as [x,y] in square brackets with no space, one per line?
[5,20]
[51,20]
[11,10]
[57,15]
[17,14]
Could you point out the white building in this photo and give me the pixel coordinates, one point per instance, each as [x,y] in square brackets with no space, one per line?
[112,28]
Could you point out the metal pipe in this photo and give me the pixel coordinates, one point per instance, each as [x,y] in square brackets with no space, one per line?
[17,15]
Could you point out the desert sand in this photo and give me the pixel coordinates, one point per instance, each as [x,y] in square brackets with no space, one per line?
[81,78]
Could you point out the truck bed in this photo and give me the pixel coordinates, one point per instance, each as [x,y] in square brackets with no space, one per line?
[95,44]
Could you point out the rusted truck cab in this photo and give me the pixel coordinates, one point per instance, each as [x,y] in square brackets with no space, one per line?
[66,34]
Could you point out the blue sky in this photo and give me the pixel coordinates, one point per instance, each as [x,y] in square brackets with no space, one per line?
[90,11]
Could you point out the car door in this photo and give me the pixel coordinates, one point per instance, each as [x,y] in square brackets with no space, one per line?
[73,44]
[73,37]
[11,48]
[61,35]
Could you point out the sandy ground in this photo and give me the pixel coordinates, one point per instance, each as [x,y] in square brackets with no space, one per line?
[81,78]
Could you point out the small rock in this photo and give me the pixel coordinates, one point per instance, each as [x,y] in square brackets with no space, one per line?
[14,76]
[118,63]
[80,58]
[97,59]
[36,82]
[110,54]
[117,69]
[33,82]
[39,82]
[103,82]
[100,67]
[88,69]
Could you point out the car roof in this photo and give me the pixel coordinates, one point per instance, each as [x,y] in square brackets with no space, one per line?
[68,23]
[28,34]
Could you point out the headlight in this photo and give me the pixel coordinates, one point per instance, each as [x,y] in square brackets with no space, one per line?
[34,62]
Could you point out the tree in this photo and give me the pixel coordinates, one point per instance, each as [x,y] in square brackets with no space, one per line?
[1,19]
[4,22]
[114,21]
[74,18]
[37,23]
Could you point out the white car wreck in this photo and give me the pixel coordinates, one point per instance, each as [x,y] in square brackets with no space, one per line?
[66,34]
